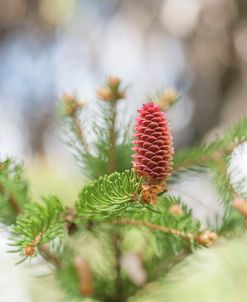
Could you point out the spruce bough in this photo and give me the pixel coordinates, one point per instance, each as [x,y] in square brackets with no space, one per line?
[124,212]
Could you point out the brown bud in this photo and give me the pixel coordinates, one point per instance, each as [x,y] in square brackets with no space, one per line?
[105,94]
[167,98]
[29,250]
[150,192]
[114,81]
[154,189]
[148,197]
[111,91]
[241,206]
[176,210]
[71,104]
[206,238]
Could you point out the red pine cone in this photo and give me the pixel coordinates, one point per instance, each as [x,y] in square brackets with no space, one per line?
[153,145]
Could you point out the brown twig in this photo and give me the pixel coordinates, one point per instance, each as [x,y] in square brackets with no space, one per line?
[155,227]
[205,238]
[48,256]
[72,109]
[12,201]
[80,131]
[14,205]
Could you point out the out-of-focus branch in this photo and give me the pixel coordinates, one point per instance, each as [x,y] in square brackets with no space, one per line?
[72,109]
[205,238]
[111,93]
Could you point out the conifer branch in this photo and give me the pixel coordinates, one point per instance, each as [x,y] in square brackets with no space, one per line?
[109,196]
[222,147]
[31,249]
[106,154]
[37,225]
[119,204]
[203,155]
[71,110]
[111,93]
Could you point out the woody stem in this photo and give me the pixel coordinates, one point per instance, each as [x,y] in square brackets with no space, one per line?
[155,227]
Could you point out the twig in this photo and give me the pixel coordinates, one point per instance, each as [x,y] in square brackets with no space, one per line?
[12,201]
[79,131]
[112,139]
[204,238]
[45,252]
[155,227]
[14,205]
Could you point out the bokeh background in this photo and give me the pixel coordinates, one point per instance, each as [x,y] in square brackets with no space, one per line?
[49,47]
